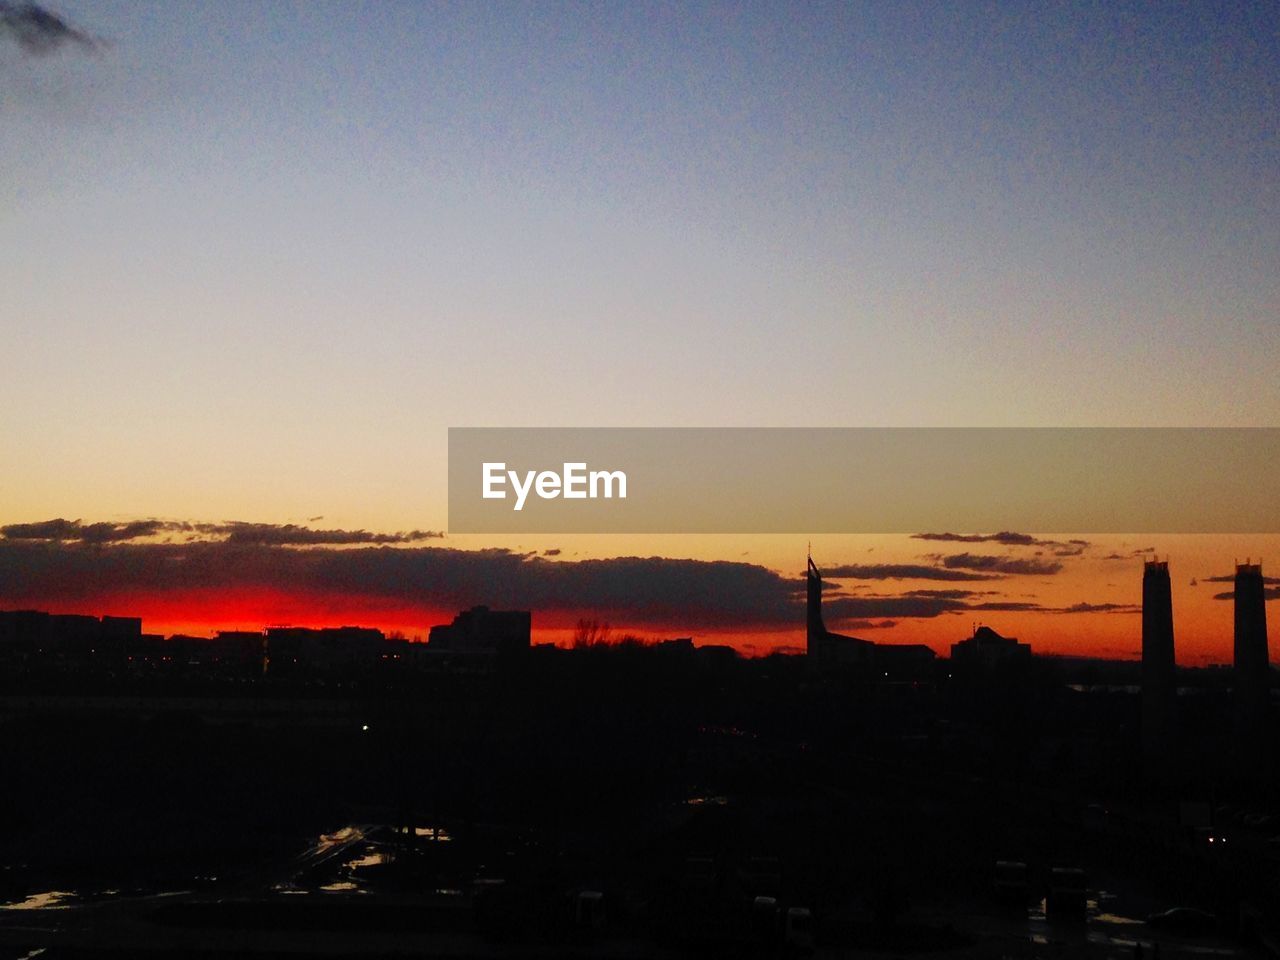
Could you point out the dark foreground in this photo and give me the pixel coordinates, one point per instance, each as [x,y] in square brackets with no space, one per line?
[630,803]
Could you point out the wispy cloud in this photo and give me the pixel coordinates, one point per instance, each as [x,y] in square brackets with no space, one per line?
[1098,608]
[1012,566]
[1131,555]
[1268,593]
[271,534]
[1008,538]
[898,571]
[235,531]
[60,529]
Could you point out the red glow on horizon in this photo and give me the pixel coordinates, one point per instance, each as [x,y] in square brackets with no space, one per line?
[1203,631]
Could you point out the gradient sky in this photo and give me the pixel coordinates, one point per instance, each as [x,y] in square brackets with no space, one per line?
[258,257]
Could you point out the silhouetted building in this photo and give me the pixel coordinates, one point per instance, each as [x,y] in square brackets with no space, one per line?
[483,631]
[1159,680]
[903,660]
[67,634]
[325,648]
[716,653]
[986,647]
[679,646]
[821,645]
[1252,661]
[73,634]
[121,628]
[244,651]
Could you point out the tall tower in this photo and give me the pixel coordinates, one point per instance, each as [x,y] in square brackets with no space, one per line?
[816,630]
[1159,678]
[1252,661]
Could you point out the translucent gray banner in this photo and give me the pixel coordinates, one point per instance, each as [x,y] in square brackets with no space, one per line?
[863,480]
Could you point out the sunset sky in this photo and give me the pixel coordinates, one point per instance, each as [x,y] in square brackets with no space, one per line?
[260,256]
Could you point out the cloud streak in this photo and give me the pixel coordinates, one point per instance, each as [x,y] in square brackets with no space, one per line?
[898,571]
[1059,548]
[235,531]
[1012,566]
[1268,593]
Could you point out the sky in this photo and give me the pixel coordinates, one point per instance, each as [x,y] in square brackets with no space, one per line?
[260,256]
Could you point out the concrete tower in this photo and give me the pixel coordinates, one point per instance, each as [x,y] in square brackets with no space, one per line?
[1252,662]
[1159,680]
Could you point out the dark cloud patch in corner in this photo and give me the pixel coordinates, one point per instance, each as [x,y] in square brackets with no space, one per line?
[38,32]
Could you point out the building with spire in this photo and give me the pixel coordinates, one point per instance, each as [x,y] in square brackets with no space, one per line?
[821,645]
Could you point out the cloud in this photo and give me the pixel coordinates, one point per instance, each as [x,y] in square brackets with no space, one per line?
[1068,548]
[1268,593]
[1131,555]
[840,609]
[235,531]
[272,534]
[65,564]
[553,552]
[898,571]
[39,32]
[1016,566]
[60,529]
[1098,608]
[53,572]
[57,566]
[1006,537]
[1230,578]
[949,594]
